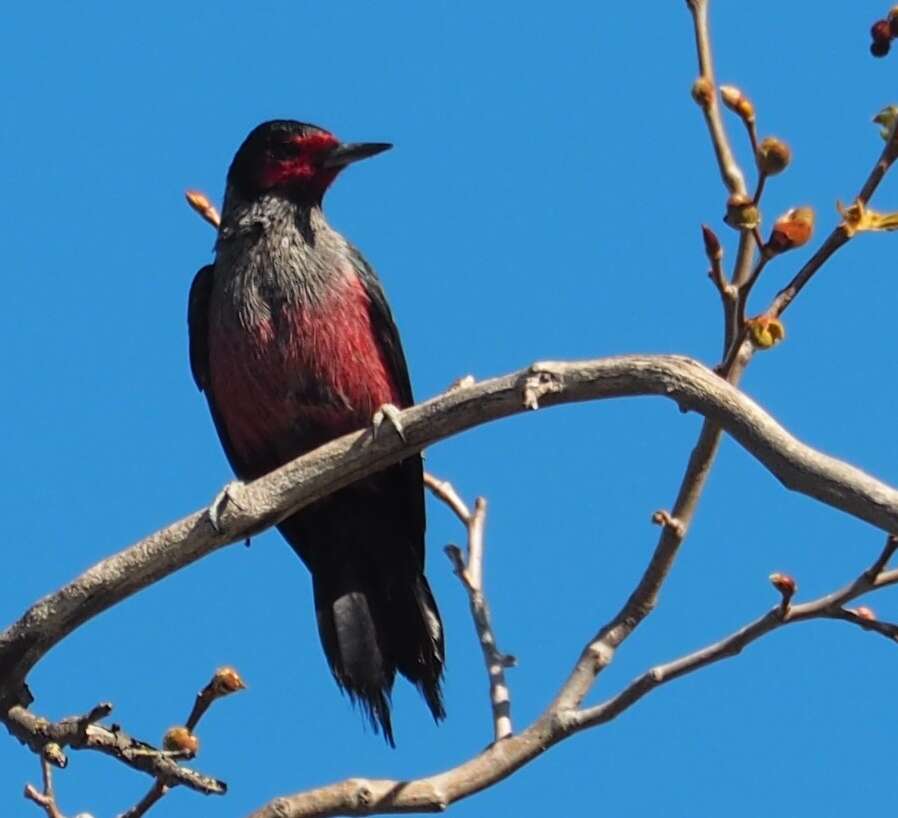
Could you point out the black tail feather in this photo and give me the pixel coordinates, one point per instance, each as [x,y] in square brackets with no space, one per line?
[376,613]
[350,639]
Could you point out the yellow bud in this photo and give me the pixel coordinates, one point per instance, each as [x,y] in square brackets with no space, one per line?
[742,213]
[53,753]
[887,118]
[737,102]
[180,739]
[773,156]
[226,681]
[766,332]
[858,218]
[201,204]
[703,92]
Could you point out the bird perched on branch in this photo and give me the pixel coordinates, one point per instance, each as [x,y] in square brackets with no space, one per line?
[293,343]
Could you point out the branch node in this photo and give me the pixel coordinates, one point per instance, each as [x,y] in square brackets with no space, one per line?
[52,753]
[888,551]
[542,381]
[666,520]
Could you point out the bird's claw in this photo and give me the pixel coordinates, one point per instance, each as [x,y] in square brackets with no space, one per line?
[388,413]
[218,505]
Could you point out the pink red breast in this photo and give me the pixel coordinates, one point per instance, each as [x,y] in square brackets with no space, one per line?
[297,379]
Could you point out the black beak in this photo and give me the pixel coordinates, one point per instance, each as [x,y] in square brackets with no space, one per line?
[350,152]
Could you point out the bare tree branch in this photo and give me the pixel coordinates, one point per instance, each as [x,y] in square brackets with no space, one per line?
[470,572]
[81,733]
[730,171]
[46,799]
[343,461]
[826,607]
[359,796]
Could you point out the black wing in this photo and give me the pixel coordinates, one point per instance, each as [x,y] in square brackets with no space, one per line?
[198,331]
[198,325]
[385,328]
[412,468]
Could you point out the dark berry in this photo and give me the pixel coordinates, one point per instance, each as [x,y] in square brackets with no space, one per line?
[893,25]
[879,48]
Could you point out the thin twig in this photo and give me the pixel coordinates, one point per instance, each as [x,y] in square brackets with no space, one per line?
[46,799]
[840,234]
[730,171]
[470,572]
[155,794]
[759,190]
[882,561]
[224,682]
[826,607]
[444,490]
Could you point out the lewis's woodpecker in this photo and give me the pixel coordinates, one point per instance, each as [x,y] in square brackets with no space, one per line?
[294,344]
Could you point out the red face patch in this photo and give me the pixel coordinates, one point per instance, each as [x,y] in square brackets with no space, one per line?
[298,162]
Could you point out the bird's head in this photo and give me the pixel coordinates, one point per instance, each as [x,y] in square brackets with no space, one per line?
[295,159]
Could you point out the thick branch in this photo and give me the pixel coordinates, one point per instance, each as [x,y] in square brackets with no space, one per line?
[343,461]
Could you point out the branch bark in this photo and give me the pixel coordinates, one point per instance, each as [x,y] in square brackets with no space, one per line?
[270,499]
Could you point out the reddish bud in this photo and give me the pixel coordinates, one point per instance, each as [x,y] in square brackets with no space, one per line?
[863,612]
[712,244]
[793,229]
[783,583]
[881,30]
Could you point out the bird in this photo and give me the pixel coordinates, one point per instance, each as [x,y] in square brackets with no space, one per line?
[293,343]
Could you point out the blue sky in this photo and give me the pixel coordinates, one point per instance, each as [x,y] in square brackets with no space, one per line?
[543,201]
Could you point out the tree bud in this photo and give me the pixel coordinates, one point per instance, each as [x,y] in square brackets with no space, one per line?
[766,332]
[742,213]
[180,739]
[774,156]
[737,102]
[793,229]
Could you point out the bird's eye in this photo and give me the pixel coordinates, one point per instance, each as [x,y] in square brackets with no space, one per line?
[282,150]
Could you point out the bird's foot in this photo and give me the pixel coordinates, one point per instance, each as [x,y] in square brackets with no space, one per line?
[388,413]
[218,505]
